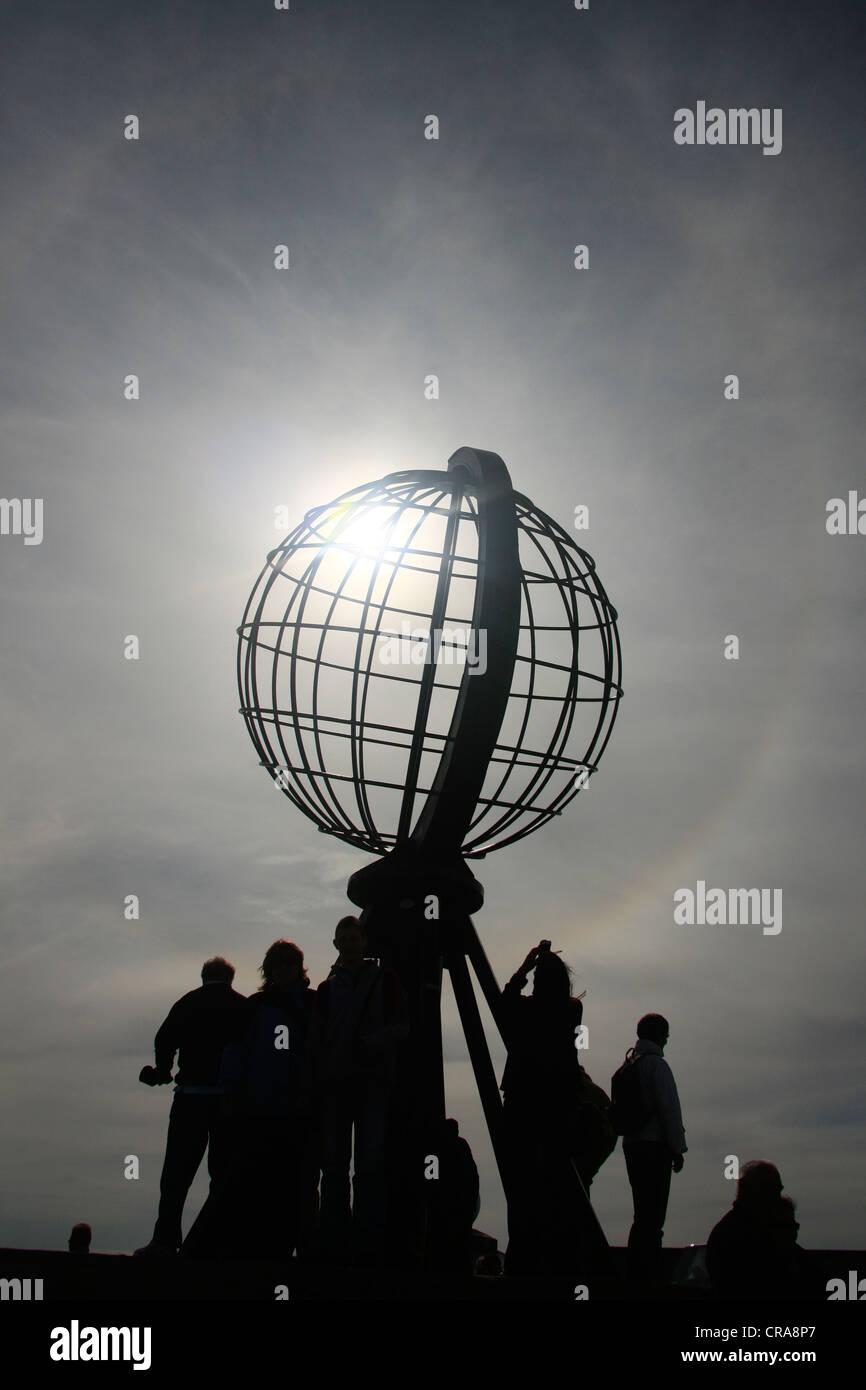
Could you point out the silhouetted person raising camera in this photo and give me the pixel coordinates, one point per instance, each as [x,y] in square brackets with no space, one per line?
[198,1027]
[359,1020]
[540,1086]
[653,1149]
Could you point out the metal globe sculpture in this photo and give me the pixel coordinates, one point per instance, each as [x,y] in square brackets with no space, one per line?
[423,642]
[429,668]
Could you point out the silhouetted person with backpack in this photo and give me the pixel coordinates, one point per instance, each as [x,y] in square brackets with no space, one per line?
[541,1084]
[753,1252]
[654,1143]
[198,1026]
[358,1022]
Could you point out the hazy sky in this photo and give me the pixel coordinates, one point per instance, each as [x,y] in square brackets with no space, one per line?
[262,388]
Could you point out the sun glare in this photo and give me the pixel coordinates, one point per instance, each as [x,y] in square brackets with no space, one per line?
[366,532]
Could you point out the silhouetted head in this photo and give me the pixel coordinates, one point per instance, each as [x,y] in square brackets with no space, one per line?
[654,1028]
[282,966]
[760,1185]
[350,939]
[552,978]
[79,1238]
[217,969]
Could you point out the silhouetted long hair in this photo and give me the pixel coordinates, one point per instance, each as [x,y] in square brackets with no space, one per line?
[759,1185]
[281,952]
[552,980]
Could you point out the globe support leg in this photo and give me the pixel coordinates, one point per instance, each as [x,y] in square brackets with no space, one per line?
[485,1078]
[483,970]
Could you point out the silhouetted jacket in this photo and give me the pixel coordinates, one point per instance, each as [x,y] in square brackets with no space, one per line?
[542,1060]
[198,1026]
[744,1260]
[264,1076]
[357,1025]
[659,1092]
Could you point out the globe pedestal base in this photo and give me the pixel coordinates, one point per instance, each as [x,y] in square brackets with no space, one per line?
[416,908]
[408,876]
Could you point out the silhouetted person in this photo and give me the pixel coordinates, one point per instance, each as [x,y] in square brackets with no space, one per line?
[653,1150]
[197,1027]
[360,1018]
[753,1252]
[79,1239]
[545,1217]
[452,1201]
[256,1209]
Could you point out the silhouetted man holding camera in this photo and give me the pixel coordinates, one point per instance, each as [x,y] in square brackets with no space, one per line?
[198,1027]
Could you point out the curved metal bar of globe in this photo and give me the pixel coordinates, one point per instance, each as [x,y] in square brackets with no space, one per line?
[483,696]
[484,974]
[428,677]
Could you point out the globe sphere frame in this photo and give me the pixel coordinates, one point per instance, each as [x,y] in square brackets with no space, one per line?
[290,619]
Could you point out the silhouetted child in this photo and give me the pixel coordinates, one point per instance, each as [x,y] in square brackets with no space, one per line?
[79,1239]
[452,1201]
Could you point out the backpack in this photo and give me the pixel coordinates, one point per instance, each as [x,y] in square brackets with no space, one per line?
[595,1138]
[629,1110]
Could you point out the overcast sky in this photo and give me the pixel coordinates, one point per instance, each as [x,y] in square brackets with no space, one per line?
[603,387]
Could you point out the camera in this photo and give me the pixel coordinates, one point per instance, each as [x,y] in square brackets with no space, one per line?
[151,1077]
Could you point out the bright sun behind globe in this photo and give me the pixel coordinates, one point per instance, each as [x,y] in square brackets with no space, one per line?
[365,531]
